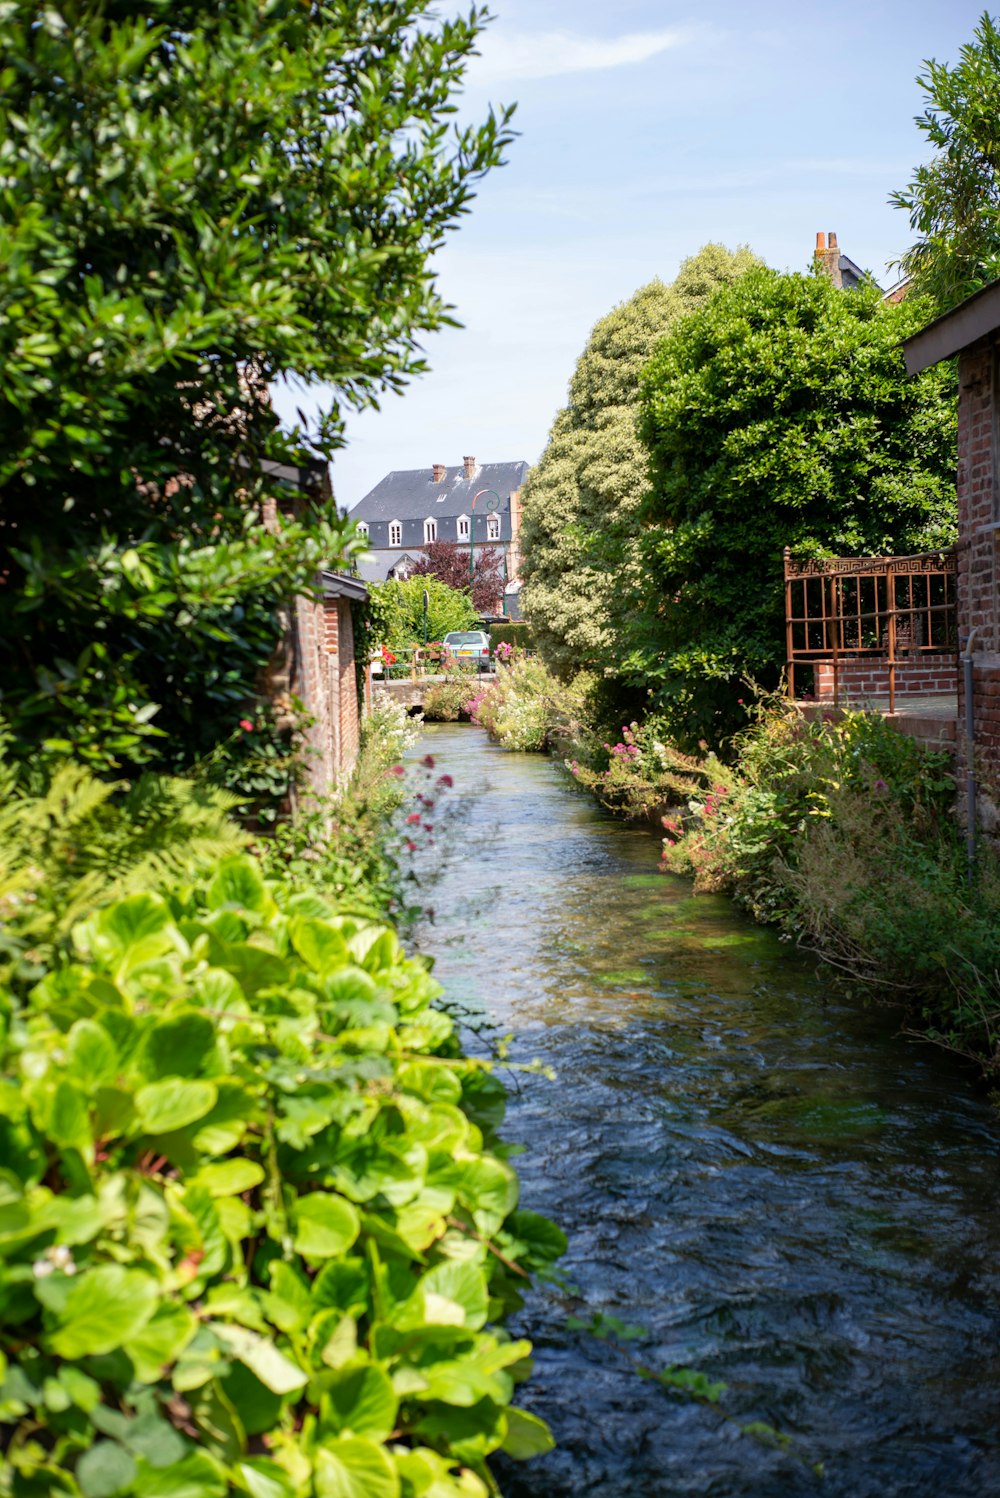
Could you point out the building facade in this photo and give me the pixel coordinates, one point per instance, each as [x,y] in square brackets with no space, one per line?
[472,503]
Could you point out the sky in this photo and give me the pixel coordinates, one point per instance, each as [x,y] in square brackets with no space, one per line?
[648,129]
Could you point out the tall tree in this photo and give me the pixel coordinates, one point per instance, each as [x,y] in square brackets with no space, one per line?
[197,199]
[580,535]
[449,562]
[780,414]
[954,200]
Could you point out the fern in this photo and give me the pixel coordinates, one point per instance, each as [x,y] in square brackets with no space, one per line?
[82,841]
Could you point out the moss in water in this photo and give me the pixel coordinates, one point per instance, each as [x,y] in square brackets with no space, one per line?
[623,977]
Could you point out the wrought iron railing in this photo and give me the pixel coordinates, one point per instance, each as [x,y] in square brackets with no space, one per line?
[891,609]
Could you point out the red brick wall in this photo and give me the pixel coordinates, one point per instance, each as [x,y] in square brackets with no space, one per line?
[978,513]
[868,676]
[324,679]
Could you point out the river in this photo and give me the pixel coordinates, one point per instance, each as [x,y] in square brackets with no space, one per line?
[760,1173]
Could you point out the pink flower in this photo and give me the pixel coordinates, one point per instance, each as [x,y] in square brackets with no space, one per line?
[411,846]
[413,820]
[428,826]
[397,770]
[246,725]
[428,761]
[445,781]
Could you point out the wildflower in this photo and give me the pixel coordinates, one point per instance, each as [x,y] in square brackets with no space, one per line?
[413,820]
[397,770]
[428,826]
[445,781]
[411,846]
[880,785]
[246,725]
[428,761]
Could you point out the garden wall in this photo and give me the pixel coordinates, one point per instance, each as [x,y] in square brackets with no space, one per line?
[868,676]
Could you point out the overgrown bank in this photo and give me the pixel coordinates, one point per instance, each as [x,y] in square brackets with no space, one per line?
[840,833]
[258,1232]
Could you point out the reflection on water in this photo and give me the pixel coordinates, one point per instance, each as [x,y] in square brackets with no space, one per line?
[785,1194]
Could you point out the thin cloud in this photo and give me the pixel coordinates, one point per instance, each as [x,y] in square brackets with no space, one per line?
[547,54]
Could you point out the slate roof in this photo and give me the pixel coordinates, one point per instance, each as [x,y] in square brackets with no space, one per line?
[375,566]
[412,494]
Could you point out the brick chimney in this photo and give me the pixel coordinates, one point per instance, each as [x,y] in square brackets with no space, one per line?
[827,257]
[439,472]
[470,467]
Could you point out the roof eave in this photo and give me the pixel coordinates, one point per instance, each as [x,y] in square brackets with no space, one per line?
[975,318]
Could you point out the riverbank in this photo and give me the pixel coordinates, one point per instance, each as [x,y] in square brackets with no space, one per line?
[840,835]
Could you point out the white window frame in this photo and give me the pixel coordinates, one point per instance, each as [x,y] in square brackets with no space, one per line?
[493,527]
[464,528]
[395,533]
[430,530]
[363,528]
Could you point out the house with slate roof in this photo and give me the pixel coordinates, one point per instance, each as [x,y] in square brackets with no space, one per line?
[409,508]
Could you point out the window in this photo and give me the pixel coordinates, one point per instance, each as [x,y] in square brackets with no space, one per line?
[493,528]
[363,528]
[463,527]
[395,533]
[430,529]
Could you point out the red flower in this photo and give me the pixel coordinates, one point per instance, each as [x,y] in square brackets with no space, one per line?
[413,819]
[411,846]
[397,770]
[445,781]
[246,725]
[428,761]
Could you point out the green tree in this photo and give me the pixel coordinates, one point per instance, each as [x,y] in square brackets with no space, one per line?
[198,199]
[780,414]
[954,200]
[396,611]
[580,531]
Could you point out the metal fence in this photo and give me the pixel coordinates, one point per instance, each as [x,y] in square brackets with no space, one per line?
[889,609]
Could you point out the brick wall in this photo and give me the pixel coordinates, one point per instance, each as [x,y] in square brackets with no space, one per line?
[977,568]
[868,676]
[323,677]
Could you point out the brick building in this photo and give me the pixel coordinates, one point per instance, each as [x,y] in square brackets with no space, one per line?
[972,332]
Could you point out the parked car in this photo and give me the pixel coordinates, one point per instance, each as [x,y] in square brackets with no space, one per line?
[472,645]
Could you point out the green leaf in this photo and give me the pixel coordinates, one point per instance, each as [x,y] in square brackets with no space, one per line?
[197,1476]
[355,1468]
[360,1402]
[129,933]
[104,1307]
[179,1047]
[104,1470]
[161,1341]
[173,1104]
[326,1225]
[264,1479]
[527,1436]
[320,944]
[275,1371]
[238,883]
[91,1053]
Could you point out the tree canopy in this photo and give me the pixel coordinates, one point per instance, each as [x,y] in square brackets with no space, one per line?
[779,414]
[395,615]
[580,529]
[198,199]
[954,199]
[449,562]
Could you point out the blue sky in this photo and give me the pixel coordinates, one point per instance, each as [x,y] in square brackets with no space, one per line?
[648,129]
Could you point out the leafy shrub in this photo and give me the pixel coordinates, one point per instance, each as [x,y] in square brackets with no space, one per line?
[395,612]
[447,701]
[643,772]
[526,707]
[744,829]
[255,1222]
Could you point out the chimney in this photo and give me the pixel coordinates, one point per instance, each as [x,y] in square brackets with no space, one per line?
[827,257]
[439,472]
[470,467]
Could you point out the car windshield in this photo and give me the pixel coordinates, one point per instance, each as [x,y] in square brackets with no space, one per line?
[457,638]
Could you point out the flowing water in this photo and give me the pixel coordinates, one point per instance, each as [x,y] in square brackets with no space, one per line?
[763,1175]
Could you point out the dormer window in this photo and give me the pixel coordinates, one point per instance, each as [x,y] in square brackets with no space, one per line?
[363,528]
[493,528]
[430,529]
[395,533]
[463,527]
